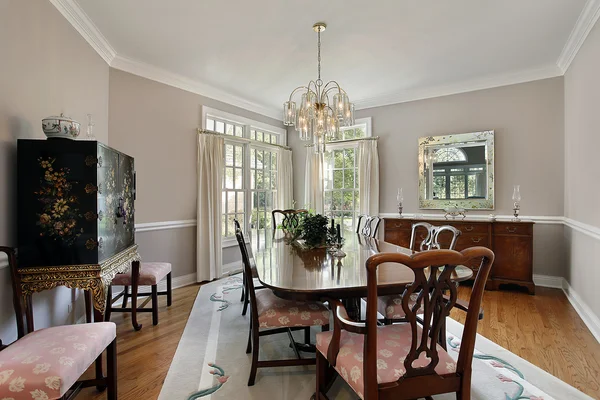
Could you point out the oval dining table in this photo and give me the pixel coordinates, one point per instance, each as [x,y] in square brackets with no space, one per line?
[296,272]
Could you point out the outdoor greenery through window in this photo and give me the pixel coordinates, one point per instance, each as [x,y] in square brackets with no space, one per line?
[250,176]
[341,176]
[263,175]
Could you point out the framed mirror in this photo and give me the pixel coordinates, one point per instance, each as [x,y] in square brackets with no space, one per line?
[457,171]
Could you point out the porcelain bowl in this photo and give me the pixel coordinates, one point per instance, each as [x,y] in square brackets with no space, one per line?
[60,127]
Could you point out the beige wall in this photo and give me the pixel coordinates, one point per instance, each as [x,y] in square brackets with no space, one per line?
[582,175]
[529,134]
[156,124]
[46,68]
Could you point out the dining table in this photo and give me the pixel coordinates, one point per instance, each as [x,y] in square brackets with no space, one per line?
[296,272]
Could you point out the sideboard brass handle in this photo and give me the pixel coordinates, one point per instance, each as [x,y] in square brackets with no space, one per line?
[469,228]
[511,230]
[476,240]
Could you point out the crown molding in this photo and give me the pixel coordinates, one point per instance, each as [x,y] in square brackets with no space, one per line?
[586,21]
[549,71]
[195,86]
[86,28]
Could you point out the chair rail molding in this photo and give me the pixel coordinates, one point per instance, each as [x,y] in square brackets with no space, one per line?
[164,225]
[586,21]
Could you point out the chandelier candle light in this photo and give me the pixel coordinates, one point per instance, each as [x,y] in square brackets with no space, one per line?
[318,117]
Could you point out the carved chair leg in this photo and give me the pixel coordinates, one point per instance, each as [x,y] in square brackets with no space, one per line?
[254,356]
[111,370]
[307,335]
[87,295]
[135,274]
[169,290]
[154,305]
[125,296]
[108,303]
[249,345]
[321,373]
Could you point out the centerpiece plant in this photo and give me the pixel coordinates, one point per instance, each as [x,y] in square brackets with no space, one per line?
[313,229]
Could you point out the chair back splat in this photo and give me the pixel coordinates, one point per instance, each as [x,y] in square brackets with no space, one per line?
[433,277]
[20,309]
[370,227]
[290,219]
[431,239]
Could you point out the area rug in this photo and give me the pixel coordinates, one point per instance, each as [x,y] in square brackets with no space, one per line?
[211,362]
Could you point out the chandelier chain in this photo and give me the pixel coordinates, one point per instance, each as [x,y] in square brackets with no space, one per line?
[319,56]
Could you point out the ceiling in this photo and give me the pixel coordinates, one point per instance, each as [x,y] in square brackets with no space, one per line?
[254,53]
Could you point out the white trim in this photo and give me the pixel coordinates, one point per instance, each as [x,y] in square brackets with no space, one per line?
[585,312]
[191,85]
[586,229]
[548,71]
[86,28]
[586,21]
[164,225]
[555,282]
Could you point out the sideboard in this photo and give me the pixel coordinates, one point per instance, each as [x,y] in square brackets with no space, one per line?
[511,242]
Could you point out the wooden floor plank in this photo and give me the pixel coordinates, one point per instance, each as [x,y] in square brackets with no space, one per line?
[543,329]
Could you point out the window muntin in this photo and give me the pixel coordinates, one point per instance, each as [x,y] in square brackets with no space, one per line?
[449,154]
[233,189]
[341,185]
[263,186]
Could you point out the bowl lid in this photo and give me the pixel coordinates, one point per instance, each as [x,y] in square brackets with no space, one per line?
[61,117]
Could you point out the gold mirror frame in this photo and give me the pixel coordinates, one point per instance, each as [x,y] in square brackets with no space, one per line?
[486,137]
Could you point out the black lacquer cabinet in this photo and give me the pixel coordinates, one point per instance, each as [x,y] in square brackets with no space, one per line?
[75,202]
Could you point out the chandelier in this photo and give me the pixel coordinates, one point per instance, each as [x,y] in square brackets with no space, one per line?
[319,118]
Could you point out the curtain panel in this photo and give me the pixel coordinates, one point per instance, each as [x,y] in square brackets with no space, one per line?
[313,181]
[368,177]
[210,183]
[285,180]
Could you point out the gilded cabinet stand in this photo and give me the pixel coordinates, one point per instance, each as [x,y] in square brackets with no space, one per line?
[92,277]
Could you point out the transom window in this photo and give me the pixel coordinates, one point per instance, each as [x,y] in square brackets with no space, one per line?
[262,136]
[449,154]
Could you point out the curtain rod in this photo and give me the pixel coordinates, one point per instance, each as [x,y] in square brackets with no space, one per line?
[346,141]
[241,139]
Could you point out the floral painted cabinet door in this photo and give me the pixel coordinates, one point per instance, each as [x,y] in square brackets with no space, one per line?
[69,202]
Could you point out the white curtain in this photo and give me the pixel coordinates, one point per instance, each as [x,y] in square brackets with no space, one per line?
[210,183]
[285,180]
[368,177]
[313,181]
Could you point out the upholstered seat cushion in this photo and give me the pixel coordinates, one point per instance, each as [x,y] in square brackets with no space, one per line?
[150,274]
[46,363]
[391,306]
[393,345]
[275,312]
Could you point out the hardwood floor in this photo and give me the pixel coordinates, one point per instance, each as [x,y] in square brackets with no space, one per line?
[543,329]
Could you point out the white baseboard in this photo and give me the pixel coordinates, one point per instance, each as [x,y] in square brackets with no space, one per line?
[555,282]
[585,312]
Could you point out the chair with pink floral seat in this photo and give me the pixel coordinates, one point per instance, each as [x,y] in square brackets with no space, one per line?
[144,274]
[275,315]
[405,361]
[47,363]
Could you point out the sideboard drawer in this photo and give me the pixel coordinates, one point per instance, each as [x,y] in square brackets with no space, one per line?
[466,241]
[393,224]
[515,228]
[466,227]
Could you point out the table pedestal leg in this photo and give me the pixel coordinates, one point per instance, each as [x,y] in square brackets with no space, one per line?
[352,306]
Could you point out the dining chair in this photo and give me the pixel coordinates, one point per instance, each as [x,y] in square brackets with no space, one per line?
[275,315]
[391,306]
[47,363]
[141,274]
[371,225]
[245,296]
[290,219]
[405,361]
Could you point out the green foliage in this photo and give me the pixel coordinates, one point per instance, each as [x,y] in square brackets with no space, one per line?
[314,229]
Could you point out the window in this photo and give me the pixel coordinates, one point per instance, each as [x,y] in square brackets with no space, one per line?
[341,174]
[250,177]
[449,154]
